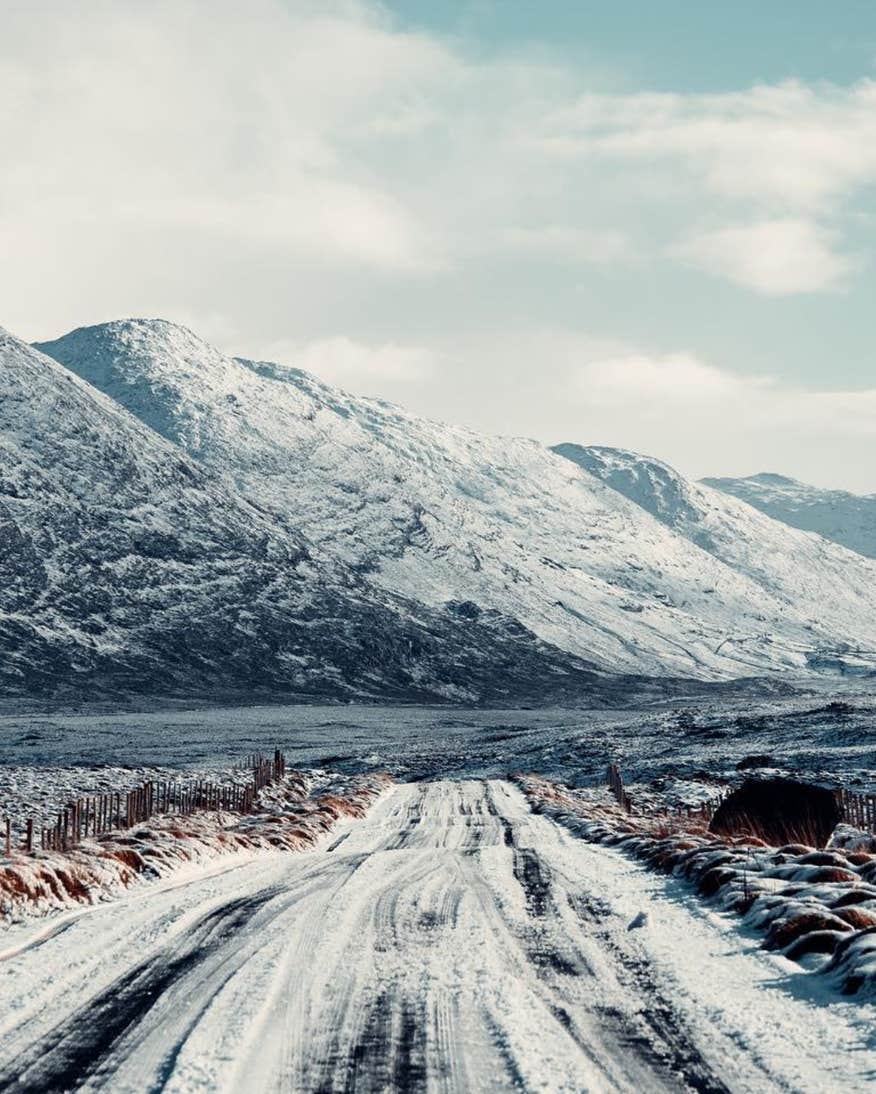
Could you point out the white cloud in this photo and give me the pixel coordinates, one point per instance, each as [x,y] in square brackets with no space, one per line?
[710,420]
[320,219]
[777,164]
[304,179]
[795,145]
[300,132]
[652,381]
[684,392]
[776,257]
[123,117]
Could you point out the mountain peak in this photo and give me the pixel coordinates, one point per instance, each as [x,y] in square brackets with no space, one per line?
[150,366]
[127,342]
[126,567]
[772,478]
[619,560]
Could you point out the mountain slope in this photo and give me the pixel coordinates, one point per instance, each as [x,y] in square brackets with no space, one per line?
[127,567]
[439,514]
[849,519]
[826,581]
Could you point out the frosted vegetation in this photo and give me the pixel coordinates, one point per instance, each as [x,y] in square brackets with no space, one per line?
[814,906]
[672,746]
[294,815]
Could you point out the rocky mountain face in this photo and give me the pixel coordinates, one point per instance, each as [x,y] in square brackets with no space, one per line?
[849,519]
[128,567]
[607,558]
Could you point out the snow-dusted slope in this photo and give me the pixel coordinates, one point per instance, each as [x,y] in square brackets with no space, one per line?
[127,567]
[650,483]
[439,514]
[810,575]
[849,519]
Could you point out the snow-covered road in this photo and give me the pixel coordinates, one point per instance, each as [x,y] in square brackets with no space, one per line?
[450,941]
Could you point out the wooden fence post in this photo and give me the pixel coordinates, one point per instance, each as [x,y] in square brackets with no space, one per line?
[91,816]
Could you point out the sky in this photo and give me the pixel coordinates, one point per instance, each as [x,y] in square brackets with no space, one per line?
[641,224]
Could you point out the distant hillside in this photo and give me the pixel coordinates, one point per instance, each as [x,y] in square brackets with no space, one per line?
[849,519]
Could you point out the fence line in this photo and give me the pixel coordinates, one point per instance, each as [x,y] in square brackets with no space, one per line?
[99,813]
[858,810]
[702,812]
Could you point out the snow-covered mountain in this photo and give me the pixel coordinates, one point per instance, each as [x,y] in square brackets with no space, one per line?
[126,566]
[690,583]
[849,519]
[803,569]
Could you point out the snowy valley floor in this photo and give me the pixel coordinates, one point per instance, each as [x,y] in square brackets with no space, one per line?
[829,735]
[451,940]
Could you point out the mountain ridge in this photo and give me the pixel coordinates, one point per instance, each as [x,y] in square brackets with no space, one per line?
[839,515]
[127,568]
[437,515]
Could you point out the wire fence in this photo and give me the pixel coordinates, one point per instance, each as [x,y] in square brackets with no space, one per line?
[117,810]
[702,812]
[857,810]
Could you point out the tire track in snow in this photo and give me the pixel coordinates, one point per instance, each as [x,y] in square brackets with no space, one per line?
[77,1047]
[389,1053]
[451,941]
[560,964]
[656,1033]
[386,1026]
[666,1026]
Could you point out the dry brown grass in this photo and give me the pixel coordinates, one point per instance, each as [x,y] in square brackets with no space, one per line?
[73,882]
[128,857]
[828,874]
[340,807]
[786,931]
[289,821]
[859,918]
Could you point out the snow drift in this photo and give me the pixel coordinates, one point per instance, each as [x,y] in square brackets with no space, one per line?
[290,816]
[814,906]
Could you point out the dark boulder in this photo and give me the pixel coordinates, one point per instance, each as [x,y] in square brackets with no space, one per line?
[779,811]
